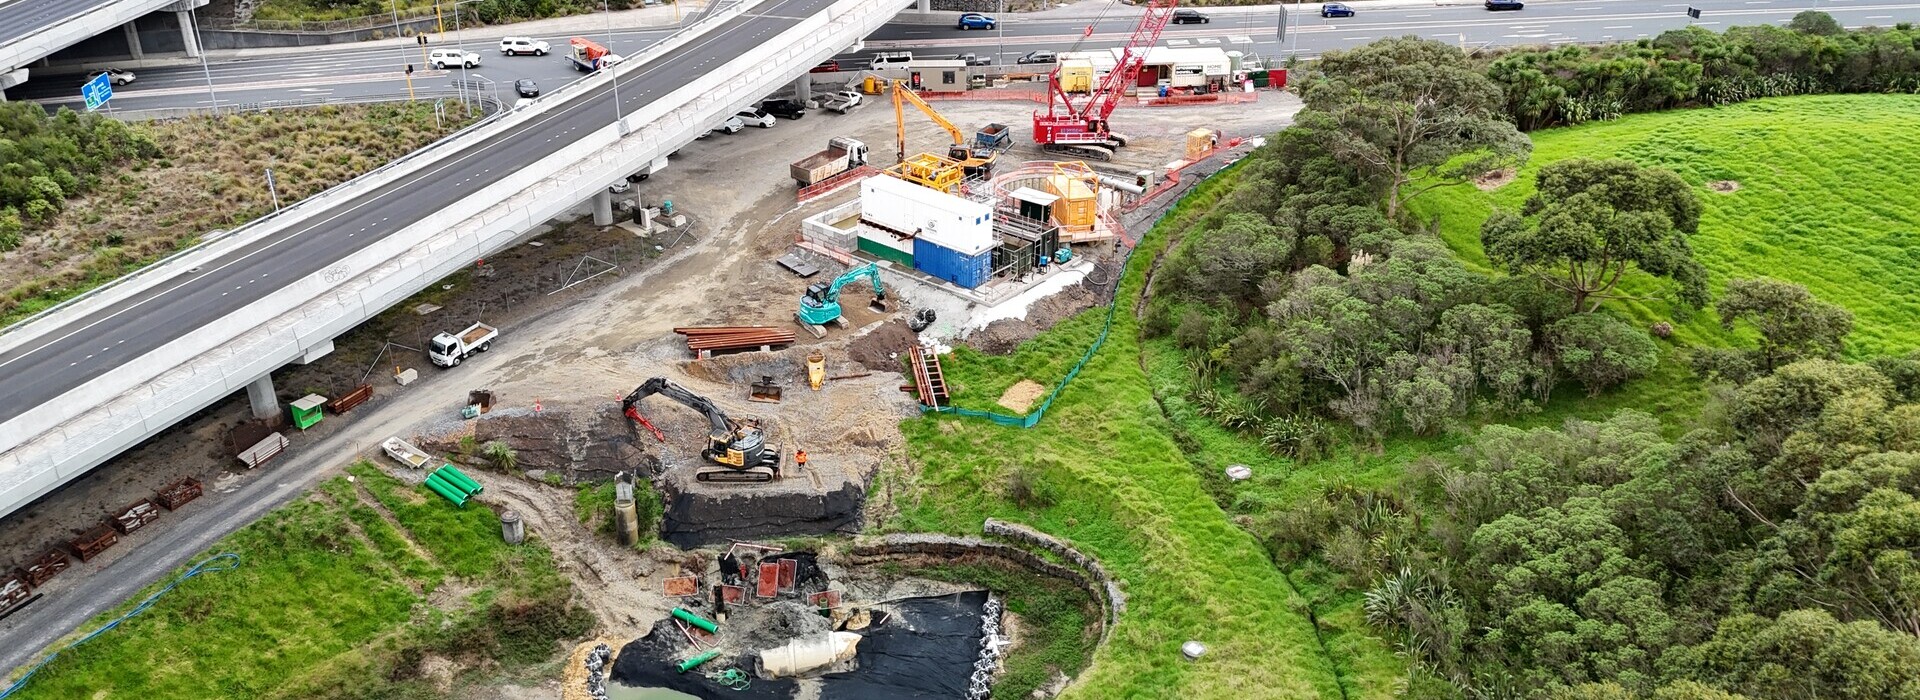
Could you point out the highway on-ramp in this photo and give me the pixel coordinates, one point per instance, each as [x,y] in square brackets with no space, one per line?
[62,359]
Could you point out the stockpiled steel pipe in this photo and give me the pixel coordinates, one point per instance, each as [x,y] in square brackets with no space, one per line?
[460,479]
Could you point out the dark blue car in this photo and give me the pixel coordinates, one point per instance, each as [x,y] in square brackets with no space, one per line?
[1334,9]
[975,20]
[1504,5]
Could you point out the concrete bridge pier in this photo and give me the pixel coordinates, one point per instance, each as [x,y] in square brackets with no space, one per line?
[803,88]
[603,208]
[260,398]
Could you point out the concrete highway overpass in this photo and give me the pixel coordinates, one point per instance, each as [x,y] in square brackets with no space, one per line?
[101,373]
[31,30]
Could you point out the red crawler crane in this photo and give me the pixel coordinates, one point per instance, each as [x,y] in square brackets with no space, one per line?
[1082,129]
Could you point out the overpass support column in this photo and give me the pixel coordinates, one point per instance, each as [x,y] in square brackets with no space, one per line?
[603,208]
[803,88]
[923,5]
[133,41]
[188,37]
[260,397]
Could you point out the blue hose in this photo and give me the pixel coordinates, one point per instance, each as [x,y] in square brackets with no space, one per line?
[217,562]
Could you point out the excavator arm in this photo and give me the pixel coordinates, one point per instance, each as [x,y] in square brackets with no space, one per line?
[869,271]
[902,95]
[721,424]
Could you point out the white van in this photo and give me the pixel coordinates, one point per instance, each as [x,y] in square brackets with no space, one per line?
[890,59]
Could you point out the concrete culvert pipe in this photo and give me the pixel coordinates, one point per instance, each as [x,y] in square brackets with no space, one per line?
[803,655]
[626,522]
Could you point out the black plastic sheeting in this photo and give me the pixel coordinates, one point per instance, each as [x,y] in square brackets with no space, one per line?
[925,648]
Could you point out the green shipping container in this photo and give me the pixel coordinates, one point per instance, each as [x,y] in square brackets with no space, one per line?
[884,252]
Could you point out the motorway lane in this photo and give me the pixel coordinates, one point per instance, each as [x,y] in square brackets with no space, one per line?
[46,367]
[19,18]
[1254,29]
[346,71]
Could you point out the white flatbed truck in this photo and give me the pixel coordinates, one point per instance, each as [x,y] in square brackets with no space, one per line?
[448,349]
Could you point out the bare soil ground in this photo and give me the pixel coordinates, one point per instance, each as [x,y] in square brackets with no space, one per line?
[576,352]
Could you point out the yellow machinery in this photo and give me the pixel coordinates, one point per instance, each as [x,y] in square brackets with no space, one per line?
[930,169]
[1078,187]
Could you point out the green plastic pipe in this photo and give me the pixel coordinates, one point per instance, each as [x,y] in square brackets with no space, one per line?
[460,479]
[447,491]
[689,664]
[695,620]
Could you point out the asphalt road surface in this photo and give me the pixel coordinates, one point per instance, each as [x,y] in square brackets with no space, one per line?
[19,18]
[1255,29]
[349,72]
[62,359]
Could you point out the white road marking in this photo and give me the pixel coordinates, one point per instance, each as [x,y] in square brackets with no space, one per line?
[1619,26]
[649,68]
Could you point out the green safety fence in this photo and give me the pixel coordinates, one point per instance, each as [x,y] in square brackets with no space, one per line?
[1033,417]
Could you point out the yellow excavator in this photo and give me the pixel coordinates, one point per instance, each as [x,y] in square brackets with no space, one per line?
[930,169]
[740,449]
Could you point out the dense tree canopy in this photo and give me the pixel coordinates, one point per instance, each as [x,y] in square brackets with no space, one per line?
[1411,114]
[1545,87]
[1792,324]
[1592,221]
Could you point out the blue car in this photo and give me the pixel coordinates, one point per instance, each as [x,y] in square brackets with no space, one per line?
[975,20]
[1334,9]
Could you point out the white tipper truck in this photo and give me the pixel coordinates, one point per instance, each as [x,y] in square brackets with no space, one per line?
[448,349]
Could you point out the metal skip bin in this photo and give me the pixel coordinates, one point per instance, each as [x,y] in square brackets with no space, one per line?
[967,270]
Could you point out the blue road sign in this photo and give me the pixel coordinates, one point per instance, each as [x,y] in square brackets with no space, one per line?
[97,91]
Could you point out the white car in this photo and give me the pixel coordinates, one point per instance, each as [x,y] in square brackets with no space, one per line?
[732,125]
[754,116]
[114,75]
[523,45]
[441,58]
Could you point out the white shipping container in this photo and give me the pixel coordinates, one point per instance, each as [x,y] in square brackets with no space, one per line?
[943,219]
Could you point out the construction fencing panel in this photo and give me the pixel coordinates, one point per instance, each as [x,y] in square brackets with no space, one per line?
[1034,416]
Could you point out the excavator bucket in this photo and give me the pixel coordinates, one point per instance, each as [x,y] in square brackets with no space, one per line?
[765,391]
[816,369]
[878,305]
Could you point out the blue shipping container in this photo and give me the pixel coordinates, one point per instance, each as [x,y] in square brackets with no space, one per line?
[968,271]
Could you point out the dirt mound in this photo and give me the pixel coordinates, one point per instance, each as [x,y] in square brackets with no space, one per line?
[1002,337]
[884,349]
[748,367]
[581,445]
[1495,179]
[1021,395]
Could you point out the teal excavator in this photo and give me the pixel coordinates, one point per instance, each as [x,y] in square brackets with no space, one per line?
[821,304]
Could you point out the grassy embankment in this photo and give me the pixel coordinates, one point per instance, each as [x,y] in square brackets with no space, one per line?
[340,594]
[211,176]
[1825,199]
[1820,203]
[1828,205]
[1103,472]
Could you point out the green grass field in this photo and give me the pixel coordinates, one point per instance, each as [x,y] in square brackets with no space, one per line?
[1825,200]
[1107,476]
[328,588]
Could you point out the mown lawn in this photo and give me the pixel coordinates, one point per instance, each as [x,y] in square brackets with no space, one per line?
[1825,199]
[326,590]
[1103,472]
